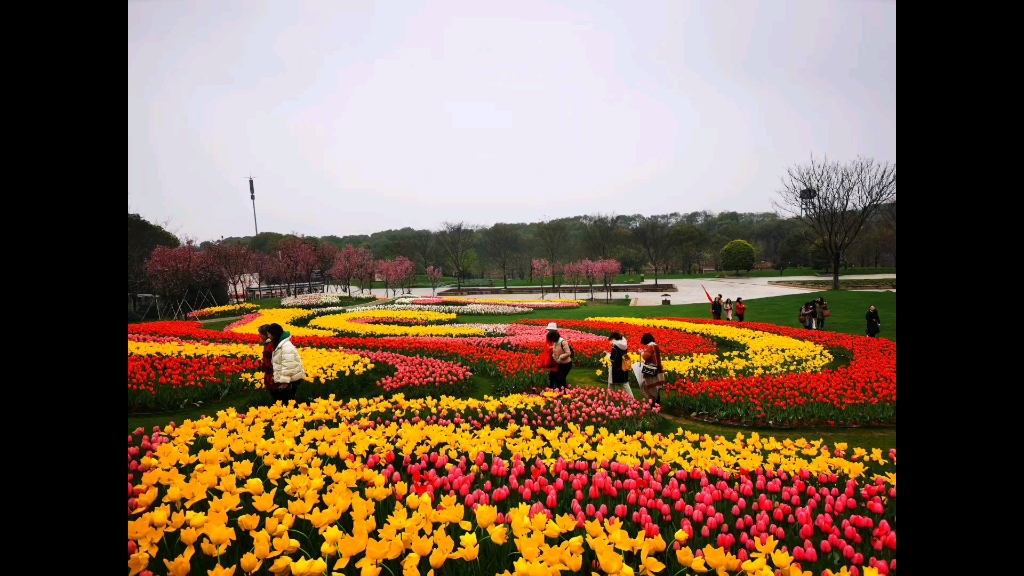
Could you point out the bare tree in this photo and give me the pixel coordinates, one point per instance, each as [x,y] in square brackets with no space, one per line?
[600,235]
[835,200]
[552,237]
[455,239]
[502,242]
[424,243]
[651,235]
[233,262]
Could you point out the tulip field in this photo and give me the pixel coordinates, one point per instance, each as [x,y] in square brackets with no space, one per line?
[384,466]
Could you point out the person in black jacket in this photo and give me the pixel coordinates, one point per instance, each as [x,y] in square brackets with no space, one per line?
[616,375]
[874,322]
[716,307]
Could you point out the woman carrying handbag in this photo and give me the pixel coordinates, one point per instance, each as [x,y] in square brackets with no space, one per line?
[653,372]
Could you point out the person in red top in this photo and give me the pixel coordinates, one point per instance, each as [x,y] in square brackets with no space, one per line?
[268,359]
[741,309]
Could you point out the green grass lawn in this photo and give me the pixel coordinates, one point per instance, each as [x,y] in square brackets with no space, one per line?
[635,278]
[848,309]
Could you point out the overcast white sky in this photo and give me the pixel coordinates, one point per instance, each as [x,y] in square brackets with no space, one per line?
[358,117]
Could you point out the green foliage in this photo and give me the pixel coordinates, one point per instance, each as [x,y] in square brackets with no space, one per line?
[143,238]
[738,255]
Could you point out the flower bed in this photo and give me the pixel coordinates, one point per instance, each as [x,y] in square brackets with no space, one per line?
[346,323]
[576,406]
[771,389]
[755,374]
[321,488]
[468,309]
[221,311]
[172,373]
[532,304]
[284,316]
[320,299]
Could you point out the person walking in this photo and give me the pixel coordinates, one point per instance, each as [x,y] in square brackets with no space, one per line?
[652,383]
[716,308]
[616,374]
[562,352]
[874,322]
[288,370]
[806,315]
[821,312]
[728,308]
[741,309]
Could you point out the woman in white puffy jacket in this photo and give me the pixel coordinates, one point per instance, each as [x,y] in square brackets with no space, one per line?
[288,371]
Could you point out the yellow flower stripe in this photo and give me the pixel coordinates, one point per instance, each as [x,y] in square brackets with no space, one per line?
[344,323]
[765,354]
[284,317]
[243,307]
[320,364]
[300,454]
[189,349]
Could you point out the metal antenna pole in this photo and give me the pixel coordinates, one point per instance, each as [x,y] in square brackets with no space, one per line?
[252,195]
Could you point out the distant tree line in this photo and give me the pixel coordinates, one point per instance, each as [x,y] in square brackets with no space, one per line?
[849,220]
[668,243]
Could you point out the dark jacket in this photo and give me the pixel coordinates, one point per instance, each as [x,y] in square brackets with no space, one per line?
[619,376]
[874,322]
[268,366]
[716,307]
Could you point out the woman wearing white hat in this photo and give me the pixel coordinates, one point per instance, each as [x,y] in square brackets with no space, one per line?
[562,353]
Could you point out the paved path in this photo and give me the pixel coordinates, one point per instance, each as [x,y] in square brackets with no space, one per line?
[690,291]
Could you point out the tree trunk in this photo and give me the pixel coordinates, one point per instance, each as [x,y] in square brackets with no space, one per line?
[835,271]
[504,278]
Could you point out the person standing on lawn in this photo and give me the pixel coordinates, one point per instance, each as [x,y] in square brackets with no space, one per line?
[874,322]
[616,375]
[561,351]
[716,308]
[821,312]
[807,315]
[741,309]
[728,308]
[288,370]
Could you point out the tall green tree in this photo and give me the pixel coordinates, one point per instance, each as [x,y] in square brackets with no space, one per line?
[143,238]
[600,236]
[651,237]
[502,242]
[455,239]
[738,255]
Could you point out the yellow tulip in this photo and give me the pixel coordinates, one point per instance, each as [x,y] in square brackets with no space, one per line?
[282,566]
[181,565]
[498,534]
[221,571]
[250,563]
[137,563]
[486,515]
